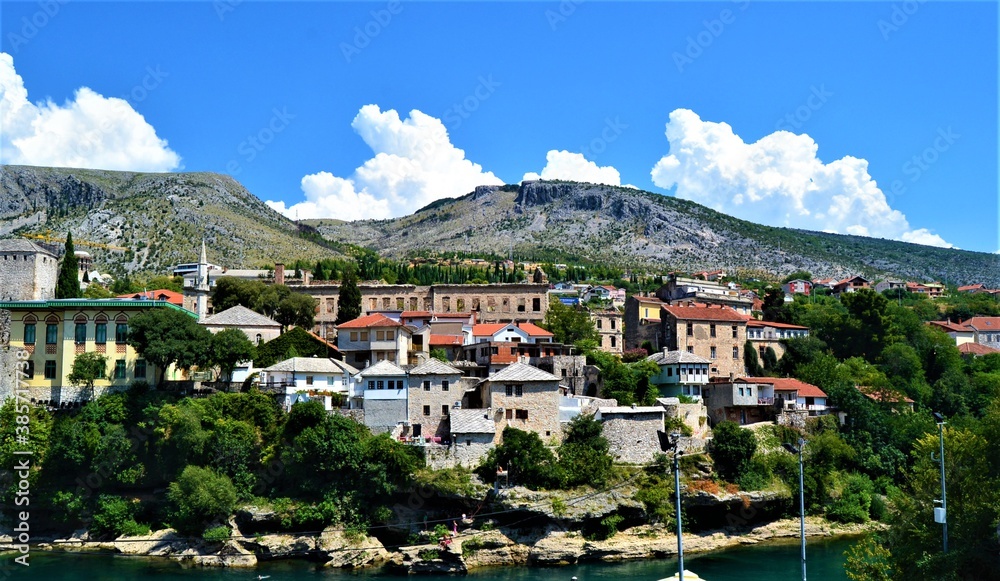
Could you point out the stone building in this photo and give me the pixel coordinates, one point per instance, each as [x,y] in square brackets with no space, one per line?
[986,330]
[472,435]
[716,333]
[258,328]
[642,321]
[744,400]
[631,432]
[526,398]
[764,334]
[435,389]
[372,338]
[28,272]
[609,328]
[491,302]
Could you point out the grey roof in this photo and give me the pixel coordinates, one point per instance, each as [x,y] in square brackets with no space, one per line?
[673,357]
[472,422]
[434,367]
[522,372]
[240,316]
[22,245]
[384,367]
[632,410]
[312,365]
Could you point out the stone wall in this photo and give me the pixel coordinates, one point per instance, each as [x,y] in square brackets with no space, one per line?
[468,450]
[793,418]
[723,364]
[382,415]
[438,402]
[357,414]
[695,416]
[540,400]
[60,396]
[27,276]
[8,360]
[632,436]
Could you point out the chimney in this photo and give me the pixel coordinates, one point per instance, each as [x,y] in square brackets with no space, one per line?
[306,277]
[279,273]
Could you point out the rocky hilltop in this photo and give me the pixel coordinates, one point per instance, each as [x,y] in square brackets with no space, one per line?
[562,221]
[158,219]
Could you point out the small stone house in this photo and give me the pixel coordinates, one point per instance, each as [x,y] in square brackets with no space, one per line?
[631,432]
[526,398]
[472,436]
[434,389]
[258,328]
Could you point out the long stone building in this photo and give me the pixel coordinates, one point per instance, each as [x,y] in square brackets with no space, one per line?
[493,303]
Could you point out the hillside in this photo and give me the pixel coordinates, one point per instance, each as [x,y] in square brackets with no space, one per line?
[159,218]
[563,221]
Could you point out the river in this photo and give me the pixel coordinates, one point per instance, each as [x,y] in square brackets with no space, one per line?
[770,562]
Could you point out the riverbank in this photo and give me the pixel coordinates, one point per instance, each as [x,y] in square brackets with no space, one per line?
[472,549]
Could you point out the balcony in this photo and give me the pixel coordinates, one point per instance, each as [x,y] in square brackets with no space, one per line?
[765,401]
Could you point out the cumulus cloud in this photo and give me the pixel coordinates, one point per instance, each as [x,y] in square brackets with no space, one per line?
[415,163]
[564,165]
[779,181]
[88,131]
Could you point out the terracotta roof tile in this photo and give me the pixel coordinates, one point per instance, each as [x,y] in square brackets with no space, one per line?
[789,384]
[704,313]
[976,349]
[376,320]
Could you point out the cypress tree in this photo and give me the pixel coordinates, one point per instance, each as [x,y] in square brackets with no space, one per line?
[67,284]
[349,301]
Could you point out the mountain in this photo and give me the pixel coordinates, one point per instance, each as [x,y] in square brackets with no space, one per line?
[161,218]
[566,221]
[158,218]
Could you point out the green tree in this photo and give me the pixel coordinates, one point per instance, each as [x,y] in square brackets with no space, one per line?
[770,360]
[868,560]
[732,448]
[569,325]
[750,360]
[97,291]
[164,336]
[774,305]
[583,455]
[88,368]
[296,309]
[439,354]
[526,459]
[280,348]
[200,496]
[67,282]
[797,275]
[349,299]
[229,347]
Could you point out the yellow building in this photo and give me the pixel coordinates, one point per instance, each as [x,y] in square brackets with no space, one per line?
[54,332]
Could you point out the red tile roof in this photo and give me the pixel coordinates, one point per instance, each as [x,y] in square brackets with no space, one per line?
[971,287]
[950,327]
[414,314]
[368,321]
[172,297]
[983,323]
[534,330]
[704,313]
[483,329]
[448,340]
[756,323]
[790,384]
[976,349]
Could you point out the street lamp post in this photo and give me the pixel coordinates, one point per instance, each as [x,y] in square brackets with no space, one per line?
[670,442]
[802,500]
[941,514]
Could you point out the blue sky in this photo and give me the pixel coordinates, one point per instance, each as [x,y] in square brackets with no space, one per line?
[889,110]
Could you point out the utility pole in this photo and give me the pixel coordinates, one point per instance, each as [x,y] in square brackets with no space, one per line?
[941,513]
[802,501]
[668,442]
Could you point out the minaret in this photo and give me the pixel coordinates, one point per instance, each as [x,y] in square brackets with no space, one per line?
[201,284]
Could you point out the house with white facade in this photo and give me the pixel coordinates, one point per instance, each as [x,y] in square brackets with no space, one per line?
[374,338]
[382,390]
[681,373]
[322,377]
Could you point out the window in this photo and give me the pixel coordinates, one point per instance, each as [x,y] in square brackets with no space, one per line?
[712,352]
[444,385]
[518,390]
[521,414]
[309,380]
[380,335]
[736,332]
[427,410]
[120,369]
[690,348]
[259,338]
[80,333]
[736,352]
[495,350]
[614,341]
[711,330]
[564,372]
[749,392]
[29,334]
[427,385]
[509,414]
[399,303]
[690,329]
[101,333]
[140,369]
[520,305]
[392,356]
[510,390]
[599,324]
[612,326]
[379,384]
[354,335]
[371,384]
[670,372]
[444,410]
[364,335]
[51,334]
[741,392]
[50,369]
[536,304]
[121,333]
[390,335]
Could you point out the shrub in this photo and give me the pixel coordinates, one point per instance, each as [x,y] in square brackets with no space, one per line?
[757,475]
[608,527]
[200,496]
[217,534]
[676,424]
[854,504]
[470,546]
[732,448]
[429,554]
[115,517]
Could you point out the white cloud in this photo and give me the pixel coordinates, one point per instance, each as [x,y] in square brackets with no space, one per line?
[88,131]
[564,165]
[414,164]
[779,181]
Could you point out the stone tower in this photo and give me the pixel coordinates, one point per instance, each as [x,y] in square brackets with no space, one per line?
[201,287]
